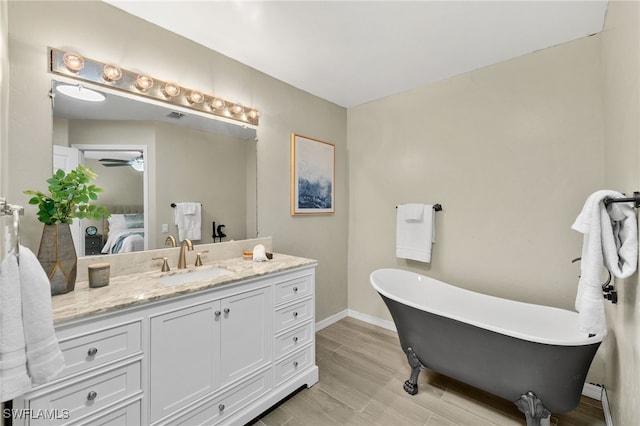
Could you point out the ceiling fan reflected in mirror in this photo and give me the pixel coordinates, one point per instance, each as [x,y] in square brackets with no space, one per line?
[136,163]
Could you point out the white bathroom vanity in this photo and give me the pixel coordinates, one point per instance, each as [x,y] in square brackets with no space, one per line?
[217,351]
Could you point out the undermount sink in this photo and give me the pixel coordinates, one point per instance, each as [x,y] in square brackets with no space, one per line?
[193,276]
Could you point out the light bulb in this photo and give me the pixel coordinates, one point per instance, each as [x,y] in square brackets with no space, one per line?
[217,103]
[254,114]
[111,73]
[144,82]
[73,61]
[195,97]
[171,90]
[237,109]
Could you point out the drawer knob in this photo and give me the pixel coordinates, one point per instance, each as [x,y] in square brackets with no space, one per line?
[295,339]
[295,289]
[92,395]
[295,364]
[226,311]
[217,313]
[92,351]
[221,407]
[295,315]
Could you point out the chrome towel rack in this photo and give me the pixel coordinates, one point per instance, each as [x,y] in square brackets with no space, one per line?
[7,209]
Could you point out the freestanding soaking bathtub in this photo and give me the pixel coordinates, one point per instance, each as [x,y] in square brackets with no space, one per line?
[533,355]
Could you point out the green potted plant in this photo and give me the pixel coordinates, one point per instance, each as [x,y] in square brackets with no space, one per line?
[69,197]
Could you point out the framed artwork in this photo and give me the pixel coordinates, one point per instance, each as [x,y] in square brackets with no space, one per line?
[312,176]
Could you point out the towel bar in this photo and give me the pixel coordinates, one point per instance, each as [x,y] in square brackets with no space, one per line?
[635,199]
[436,207]
[174,205]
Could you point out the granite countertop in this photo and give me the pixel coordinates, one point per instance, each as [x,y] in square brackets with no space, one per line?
[136,289]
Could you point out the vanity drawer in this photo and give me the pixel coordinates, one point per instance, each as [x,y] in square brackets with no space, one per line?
[289,366]
[292,315]
[295,288]
[292,340]
[128,415]
[98,348]
[219,408]
[88,395]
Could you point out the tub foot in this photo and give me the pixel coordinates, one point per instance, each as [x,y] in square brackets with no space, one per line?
[411,385]
[535,412]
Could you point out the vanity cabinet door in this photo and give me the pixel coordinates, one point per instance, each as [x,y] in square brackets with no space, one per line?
[245,329]
[184,357]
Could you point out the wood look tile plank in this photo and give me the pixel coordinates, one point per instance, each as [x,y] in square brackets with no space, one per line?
[362,369]
[337,387]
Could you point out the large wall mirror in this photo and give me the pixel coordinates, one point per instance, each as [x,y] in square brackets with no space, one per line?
[149,156]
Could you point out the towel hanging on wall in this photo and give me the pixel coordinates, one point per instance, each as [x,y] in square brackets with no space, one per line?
[188,219]
[611,241]
[415,231]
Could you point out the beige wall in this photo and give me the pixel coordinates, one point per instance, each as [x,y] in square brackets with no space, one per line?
[4,96]
[104,33]
[511,151]
[621,95]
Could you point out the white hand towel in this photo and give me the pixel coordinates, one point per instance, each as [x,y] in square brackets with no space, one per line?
[188,219]
[259,253]
[14,380]
[44,358]
[413,212]
[610,239]
[414,238]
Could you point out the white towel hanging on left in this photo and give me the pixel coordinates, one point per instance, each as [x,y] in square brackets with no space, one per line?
[29,351]
[415,231]
[188,218]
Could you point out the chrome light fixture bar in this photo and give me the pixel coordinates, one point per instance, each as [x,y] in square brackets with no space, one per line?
[76,66]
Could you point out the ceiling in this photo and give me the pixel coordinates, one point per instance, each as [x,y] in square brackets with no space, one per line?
[352,52]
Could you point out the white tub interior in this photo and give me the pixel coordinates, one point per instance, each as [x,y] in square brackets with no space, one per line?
[536,323]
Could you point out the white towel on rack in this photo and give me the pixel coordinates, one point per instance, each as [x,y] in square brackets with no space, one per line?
[44,359]
[414,238]
[14,380]
[413,212]
[29,352]
[610,240]
[188,219]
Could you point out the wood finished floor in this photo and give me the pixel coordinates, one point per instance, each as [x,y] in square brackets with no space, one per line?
[362,369]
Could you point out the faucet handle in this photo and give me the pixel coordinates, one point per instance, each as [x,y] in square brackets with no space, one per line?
[165,264]
[199,259]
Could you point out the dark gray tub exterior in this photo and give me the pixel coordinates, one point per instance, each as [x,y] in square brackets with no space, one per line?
[518,370]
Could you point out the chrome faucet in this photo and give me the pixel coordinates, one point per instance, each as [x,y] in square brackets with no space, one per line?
[182,260]
[170,241]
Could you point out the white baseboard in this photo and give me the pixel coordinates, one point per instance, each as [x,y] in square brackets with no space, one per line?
[605,407]
[330,320]
[592,391]
[389,325]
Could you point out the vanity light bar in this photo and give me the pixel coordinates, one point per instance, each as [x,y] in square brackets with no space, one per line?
[71,64]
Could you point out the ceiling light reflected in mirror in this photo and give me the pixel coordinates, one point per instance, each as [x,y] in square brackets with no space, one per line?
[80,92]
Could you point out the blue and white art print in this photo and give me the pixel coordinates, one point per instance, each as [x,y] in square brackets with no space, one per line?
[312,176]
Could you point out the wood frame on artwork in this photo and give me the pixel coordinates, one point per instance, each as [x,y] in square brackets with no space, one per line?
[312,176]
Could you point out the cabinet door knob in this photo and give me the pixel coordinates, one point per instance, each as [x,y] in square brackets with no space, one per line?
[295,339]
[226,311]
[217,313]
[295,315]
[295,289]
[92,395]
[295,364]
[221,407]
[92,351]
